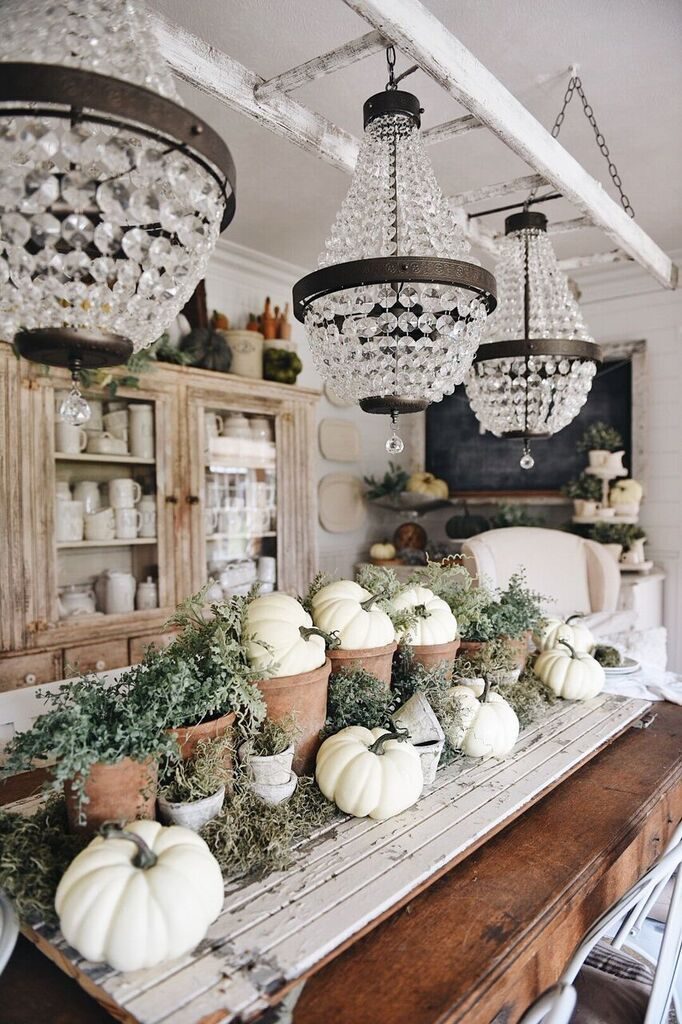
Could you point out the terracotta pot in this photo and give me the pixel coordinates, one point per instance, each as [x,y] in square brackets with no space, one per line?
[375,660]
[116,792]
[305,698]
[386,561]
[519,649]
[467,648]
[210,729]
[436,655]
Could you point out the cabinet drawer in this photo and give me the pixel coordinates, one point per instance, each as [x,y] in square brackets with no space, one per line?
[96,657]
[30,669]
[139,644]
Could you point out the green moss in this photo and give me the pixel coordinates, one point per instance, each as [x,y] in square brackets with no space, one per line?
[607,656]
[529,697]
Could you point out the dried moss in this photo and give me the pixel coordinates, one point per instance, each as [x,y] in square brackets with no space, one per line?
[529,697]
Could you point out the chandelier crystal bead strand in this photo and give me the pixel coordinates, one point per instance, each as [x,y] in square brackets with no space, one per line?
[112,193]
[395,314]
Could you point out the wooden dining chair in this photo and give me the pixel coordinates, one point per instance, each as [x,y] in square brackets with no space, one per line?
[9,929]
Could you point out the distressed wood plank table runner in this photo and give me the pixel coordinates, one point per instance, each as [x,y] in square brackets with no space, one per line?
[276,930]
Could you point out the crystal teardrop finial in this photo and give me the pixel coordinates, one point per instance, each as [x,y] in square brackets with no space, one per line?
[526,461]
[395,444]
[74,409]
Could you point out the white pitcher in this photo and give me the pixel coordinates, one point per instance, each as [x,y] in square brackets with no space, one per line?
[119,593]
[141,430]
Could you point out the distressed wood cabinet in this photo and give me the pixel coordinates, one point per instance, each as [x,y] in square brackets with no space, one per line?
[35,566]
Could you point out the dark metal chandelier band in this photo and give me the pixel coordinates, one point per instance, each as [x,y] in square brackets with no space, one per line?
[522,348]
[65,347]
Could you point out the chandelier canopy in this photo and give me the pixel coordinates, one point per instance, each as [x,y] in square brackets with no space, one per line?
[395,314]
[112,193]
[533,373]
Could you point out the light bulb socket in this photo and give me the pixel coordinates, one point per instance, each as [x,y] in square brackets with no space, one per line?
[392,101]
[527,220]
[73,349]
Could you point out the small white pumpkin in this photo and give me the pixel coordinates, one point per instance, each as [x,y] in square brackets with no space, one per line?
[346,608]
[282,639]
[571,674]
[489,726]
[572,630]
[369,772]
[382,551]
[435,623]
[144,895]
[427,483]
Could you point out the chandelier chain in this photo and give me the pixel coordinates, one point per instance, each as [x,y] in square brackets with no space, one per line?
[575,85]
[390,60]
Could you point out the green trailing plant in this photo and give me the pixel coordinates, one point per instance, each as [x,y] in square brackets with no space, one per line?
[514,515]
[616,533]
[529,697]
[600,436]
[450,581]
[391,484]
[357,698]
[494,659]
[273,737]
[515,609]
[607,656]
[584,487]
[382,583]
[88,723]
[199,776]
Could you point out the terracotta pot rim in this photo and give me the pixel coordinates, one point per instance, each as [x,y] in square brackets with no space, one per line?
[228,718]
[342,654]
[437,648]
[298,679]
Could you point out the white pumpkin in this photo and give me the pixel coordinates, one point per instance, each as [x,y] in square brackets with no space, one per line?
[489,727]
[346,608]
[382,551]
[572,630]
[435,623]
[626,492]
[135,902]
[427,483]
[367,775]
[571,674]
[280,639]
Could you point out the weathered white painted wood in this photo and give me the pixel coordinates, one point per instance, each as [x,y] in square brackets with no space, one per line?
[273,930]
[218,75]
[500,188]
[448,129]
[596,259]
[421,36]
[341,57]
[561,227]
[477,232]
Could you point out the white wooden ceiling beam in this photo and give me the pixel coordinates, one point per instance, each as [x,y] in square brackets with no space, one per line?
[562,227]
[225,79]
[500,188]
[335,60]
[421,36]
[596,259]
[447,130]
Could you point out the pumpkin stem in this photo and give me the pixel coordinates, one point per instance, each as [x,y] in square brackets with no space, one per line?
[576,615]
[367,605]
[420,611]
[571,648]
[395,734]
[144,857]
[486,690]
[332,640]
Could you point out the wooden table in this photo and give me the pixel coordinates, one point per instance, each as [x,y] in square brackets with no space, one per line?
[481,942]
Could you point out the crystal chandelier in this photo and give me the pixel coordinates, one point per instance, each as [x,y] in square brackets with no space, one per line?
[533,373]
[394,315]
[112,193]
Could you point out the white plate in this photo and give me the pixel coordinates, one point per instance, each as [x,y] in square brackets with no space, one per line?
[339,440]
[629,665]
[341,503]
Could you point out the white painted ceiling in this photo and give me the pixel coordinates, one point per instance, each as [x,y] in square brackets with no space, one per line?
[629,57]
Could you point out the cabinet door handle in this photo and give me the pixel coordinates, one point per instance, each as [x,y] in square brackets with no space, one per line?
[30,678]
[171,499]
[100,665]
[193,499]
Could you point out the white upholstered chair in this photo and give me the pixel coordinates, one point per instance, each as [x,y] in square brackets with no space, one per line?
[579,575]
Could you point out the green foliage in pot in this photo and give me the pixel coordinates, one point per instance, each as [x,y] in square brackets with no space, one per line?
[199,776]
[493,660]
[600,436]
[584,487]
[516,609]
[357,698]
[88,723]
[514,515]
[273,737]
[393,482]
[616,533]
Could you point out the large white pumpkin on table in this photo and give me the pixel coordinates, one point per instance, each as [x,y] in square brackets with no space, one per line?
[571,674]
[347,609]
[435,622]
[282,639]
[488,725]
[145,895]
[369,772]
[572,630]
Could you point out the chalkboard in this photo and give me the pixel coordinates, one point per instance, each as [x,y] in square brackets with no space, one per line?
[471,461]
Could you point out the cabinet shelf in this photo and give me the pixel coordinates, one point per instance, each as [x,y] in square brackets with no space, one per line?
[131,460]
[240,536]
[118,542]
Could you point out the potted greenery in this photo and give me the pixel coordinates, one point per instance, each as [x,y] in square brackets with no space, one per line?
[497,662]
[620,537]
[586,493]
[269,753]
[192,790]
[604,447]
[105,743]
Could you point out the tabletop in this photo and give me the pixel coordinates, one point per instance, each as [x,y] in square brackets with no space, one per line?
[481,942]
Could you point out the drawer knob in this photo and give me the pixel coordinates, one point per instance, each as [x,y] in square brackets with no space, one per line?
[100,665]
[30,678]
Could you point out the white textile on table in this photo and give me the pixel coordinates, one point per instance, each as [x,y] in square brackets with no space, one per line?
[648,684]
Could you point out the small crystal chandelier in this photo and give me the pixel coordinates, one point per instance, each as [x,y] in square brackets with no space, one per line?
[112,193]
[532,376]
[394,315]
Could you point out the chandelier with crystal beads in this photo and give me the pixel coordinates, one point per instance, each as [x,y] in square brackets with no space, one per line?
[532,374]
[394,315]
[112,193]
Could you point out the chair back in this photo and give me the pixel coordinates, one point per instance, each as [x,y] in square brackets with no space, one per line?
[9,929]
[554,1006]
[578,574]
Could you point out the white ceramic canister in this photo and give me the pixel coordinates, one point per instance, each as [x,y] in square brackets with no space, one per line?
[236,424]
[247,353]
[147,507]
[141,430]
[76,600]
[116,424]
[119,593]
[87,491]
[260,426]
[69,521]
[147,595]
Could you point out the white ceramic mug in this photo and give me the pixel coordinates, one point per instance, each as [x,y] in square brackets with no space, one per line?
[124,492]
[87,491]
[69,439]
[147,509]
[213,424]
[128,522]
[100,525]
[116,424]
[267,569]
[141,430]
[69,521]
